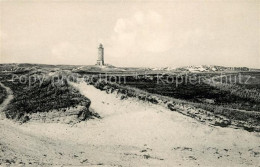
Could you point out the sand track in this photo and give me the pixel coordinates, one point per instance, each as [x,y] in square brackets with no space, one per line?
[6,101]
[130,133]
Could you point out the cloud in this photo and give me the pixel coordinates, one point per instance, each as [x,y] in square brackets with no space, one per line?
[142,32]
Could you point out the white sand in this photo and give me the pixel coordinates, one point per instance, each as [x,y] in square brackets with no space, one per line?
[130,133]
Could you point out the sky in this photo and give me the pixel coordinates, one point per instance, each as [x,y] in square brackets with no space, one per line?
[134,33]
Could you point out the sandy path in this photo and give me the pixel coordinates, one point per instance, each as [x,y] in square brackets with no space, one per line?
[130,133]
[6,101]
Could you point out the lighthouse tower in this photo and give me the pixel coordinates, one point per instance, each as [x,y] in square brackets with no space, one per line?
[100,60]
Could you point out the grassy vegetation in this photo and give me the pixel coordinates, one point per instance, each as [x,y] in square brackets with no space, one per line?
[196,94]
[249,80]
[3,94]
[42,98]
[198,91]
[245,85]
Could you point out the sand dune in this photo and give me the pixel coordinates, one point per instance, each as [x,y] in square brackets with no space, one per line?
[130,133]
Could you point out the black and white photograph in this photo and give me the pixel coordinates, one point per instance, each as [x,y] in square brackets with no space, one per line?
[130,83]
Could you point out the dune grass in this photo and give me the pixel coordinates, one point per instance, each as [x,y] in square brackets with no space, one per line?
[3,94]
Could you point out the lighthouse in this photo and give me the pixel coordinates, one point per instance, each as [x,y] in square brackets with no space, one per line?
[100,60]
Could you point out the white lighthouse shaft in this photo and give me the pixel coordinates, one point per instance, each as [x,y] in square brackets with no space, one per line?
[100,60]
